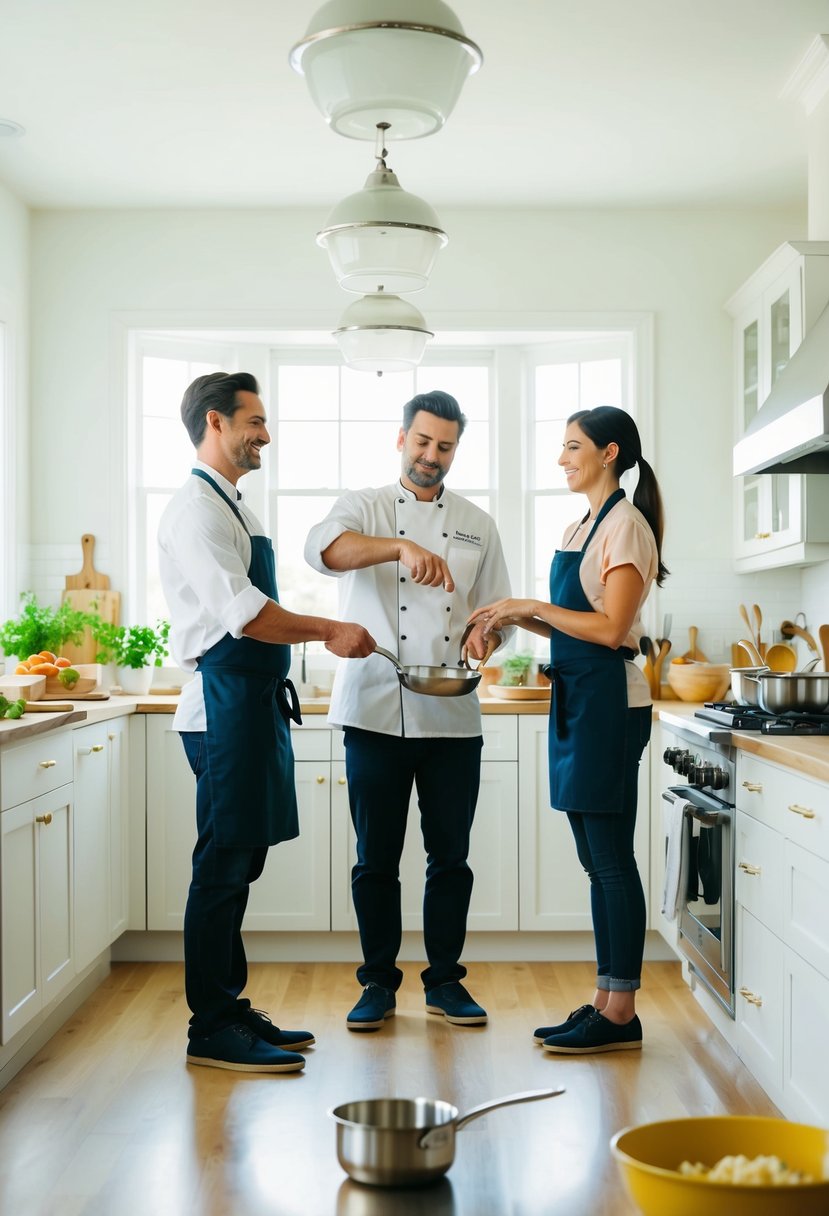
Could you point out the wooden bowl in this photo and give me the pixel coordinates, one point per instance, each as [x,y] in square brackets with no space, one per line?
[699,681]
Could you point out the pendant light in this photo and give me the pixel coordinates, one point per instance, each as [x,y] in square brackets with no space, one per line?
[398,61]
[382,236]
[382,333]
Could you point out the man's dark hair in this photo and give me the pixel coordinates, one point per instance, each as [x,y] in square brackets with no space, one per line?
[217,391]
[442,405]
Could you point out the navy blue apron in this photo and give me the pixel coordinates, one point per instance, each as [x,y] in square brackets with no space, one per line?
[248,700]
[588,715]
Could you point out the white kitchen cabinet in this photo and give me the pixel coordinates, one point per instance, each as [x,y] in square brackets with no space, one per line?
[100,837]
[781,518]
[554,890]
[294,889]
[782,947]
[91,844]
[35,903]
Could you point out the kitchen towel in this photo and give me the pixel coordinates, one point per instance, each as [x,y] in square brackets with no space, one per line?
[673,819]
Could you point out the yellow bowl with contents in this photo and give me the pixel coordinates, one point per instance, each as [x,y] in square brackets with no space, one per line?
[650,1156]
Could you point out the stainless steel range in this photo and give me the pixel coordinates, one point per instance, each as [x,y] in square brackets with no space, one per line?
[703,758]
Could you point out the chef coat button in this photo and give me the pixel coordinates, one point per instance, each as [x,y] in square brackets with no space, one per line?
[448,609]
[446,639]
[440,506]
[402,607]
[402,533]
[401,500]
[402,580]
[402,637]
[443,664]
[445,534]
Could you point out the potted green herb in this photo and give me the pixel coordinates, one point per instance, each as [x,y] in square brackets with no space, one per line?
[42,628]
[134,649]
[515,670]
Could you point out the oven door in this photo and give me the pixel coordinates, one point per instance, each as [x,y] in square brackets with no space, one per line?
[706,914]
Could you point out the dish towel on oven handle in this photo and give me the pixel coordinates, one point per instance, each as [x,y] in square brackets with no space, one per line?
[673,818]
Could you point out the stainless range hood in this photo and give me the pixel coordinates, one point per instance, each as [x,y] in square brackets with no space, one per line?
[790,431]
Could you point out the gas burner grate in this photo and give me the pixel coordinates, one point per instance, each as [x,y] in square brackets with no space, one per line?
[749,717]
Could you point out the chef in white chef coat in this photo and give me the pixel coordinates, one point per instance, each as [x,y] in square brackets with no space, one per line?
[414,561]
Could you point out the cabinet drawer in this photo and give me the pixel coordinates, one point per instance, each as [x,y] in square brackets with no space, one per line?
[805,1059]
[805,922]
[786,801]
[311,744]
[35,767]
[758,871]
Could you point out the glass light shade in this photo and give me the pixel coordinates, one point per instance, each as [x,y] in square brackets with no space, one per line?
[382,236]
[380,333]
[370,61]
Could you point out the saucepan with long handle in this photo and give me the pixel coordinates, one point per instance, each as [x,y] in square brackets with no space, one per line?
[407,1141]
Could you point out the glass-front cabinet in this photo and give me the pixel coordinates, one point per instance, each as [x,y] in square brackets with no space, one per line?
[776,513]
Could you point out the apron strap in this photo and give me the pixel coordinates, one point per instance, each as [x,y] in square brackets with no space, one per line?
[284,693]
[205,477]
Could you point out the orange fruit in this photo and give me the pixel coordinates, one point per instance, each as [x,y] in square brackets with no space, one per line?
[61,662]
[680,659]
[35,658]
[44,669]
[48,656]
[22,669]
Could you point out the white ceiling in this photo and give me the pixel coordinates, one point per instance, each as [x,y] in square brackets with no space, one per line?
[182,103]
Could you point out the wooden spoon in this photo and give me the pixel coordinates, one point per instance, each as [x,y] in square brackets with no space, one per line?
[781,658]
[748,624]
[823,634]
[758,617]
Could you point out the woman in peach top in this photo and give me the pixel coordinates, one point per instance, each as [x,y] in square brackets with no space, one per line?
[600,714]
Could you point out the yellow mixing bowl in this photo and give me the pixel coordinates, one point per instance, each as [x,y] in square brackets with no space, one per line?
[649,1157]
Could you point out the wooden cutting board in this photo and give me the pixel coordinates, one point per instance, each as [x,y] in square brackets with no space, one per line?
[88,590]
[87,577]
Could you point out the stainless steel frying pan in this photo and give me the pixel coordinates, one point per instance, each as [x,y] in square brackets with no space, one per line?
[434,681]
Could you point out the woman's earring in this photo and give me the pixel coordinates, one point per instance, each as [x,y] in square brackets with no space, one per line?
[604,466]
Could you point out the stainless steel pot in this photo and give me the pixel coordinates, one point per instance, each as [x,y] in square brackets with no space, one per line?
[407,1141]
[434,681]
[744,689]
[792,692]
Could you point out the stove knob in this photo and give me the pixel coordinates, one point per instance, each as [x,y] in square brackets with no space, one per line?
[719,779]
[670,756]
[685,764]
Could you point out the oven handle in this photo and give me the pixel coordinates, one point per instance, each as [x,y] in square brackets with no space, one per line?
[709,819]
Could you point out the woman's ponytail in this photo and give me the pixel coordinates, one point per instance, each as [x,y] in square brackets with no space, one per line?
[648,500]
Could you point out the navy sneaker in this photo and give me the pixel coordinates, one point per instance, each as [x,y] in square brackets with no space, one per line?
[596,1033]
[374,1006]
[293,1040]
[240,1050]
[456,1005]
[572,1019]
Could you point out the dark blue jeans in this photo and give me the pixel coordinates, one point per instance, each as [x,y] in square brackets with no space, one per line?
[381,770]
[215,966]
[604,844]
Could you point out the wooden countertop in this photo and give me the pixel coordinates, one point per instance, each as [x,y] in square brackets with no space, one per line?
[809,756]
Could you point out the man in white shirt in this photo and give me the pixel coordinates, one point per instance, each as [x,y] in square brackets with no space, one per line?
[218,573]
[414,561]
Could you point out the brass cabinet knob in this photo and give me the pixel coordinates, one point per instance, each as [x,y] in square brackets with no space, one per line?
[805,811]
[748,868]
[751,997]
[47,764]
[47,819]
[753,787]
[320,780]
[341,781]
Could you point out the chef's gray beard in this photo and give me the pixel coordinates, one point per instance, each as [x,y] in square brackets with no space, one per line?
[425,480]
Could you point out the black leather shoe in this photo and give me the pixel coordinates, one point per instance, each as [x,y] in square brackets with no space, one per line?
[238,1049]
[374,1006]
[456,1005]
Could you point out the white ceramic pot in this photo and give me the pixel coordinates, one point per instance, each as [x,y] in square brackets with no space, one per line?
[134,680]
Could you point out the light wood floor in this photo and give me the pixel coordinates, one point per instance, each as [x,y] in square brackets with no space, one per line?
[108,1120]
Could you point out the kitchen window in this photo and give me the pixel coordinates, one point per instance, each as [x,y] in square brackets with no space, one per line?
[333,428]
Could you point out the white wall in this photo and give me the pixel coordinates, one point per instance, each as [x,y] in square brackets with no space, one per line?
[92,271]
[14,432]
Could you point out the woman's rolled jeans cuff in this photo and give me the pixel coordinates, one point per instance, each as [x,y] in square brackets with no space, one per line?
[606,983]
